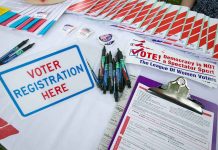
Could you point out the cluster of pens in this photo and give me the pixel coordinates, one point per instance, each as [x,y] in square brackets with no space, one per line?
[15,52]
[112,75]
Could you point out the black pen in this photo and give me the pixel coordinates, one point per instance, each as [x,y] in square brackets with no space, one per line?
[105,77]
[5,56]
[110,78]
[116,93]
[124,70]
[16,54]
[101,74]
[120,77]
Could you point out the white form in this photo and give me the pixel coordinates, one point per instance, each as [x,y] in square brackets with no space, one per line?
[152,123]
[116,116]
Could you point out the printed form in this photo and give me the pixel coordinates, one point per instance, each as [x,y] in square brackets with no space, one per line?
[153,123]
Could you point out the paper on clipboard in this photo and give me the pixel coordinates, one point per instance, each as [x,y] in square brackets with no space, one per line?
[151,122]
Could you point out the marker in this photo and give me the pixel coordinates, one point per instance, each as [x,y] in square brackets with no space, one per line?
[116,93]
[124,70]
[94,75]
[110,78]
[13,50]
[17,53]
[101,75]
[105,82]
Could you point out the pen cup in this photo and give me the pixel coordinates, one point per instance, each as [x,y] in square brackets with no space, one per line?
[44,2]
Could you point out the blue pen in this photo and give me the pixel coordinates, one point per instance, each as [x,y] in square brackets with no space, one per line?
[13,50]
[106,68]
[94,75]
[16,54]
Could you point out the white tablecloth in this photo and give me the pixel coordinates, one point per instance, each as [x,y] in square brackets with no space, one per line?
[77,123]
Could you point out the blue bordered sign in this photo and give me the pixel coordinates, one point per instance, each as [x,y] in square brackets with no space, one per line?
[48,80]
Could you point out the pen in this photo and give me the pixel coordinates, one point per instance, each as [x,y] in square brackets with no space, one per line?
[116,93]
[124,70]
[17,53]
[14,49]
[101,74]
[100,85]
[110,78]
[120,77]
[94,75]
[105,82]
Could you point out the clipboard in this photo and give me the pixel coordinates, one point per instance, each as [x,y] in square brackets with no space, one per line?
[204,104]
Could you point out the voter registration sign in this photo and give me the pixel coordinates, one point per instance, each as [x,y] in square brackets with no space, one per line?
[48,80]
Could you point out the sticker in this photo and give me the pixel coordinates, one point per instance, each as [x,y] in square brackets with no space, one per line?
[42,15]
[47,80]
[106,39]
[84,33]
[69,28]
[3,10]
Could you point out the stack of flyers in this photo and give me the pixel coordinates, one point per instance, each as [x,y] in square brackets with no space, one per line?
[108,9]
[203,39]
[142,14]
[116,9]
[215,55]
[82,7]
[212,35]
[134,12]
[30,18]
[101,5]
[166,24]
[187,28]
[124,11]
[152,26]
[193,41]
[177,27]
[150,17]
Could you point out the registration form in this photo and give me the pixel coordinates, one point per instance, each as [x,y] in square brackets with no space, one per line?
[153,123]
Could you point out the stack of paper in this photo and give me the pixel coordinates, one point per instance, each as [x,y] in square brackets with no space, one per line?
[166,24]
[20,15]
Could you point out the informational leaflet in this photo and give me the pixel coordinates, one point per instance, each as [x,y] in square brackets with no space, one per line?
[153,123]
[31,18]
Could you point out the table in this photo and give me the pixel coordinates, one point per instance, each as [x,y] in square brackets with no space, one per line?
[77,123]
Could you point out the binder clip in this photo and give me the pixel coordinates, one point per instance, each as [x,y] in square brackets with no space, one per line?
[178,92]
